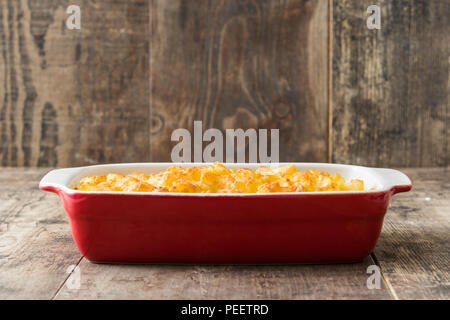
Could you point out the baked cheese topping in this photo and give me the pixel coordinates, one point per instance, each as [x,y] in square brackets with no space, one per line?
[217,178]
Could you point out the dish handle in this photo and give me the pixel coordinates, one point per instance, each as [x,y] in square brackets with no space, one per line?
[56,179]
[395,180]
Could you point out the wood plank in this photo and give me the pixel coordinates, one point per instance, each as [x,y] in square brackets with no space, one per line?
[413,250]
[36,246]
[340,281]
[68,97]
[241,64]
[390,96]
[114,82]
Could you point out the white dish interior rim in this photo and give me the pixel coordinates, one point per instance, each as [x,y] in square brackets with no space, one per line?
[380,179]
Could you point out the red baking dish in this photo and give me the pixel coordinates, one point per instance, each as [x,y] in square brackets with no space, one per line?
[306,227]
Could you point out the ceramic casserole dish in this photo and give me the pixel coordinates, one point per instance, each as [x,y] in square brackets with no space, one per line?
[302,227]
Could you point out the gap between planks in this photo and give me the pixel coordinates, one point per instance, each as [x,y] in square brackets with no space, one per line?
[150,79]
[330,79]
[67,278]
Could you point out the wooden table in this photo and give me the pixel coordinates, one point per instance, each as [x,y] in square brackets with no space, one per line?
[37,254]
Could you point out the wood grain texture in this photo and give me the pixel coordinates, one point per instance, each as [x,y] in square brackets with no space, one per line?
[414,246]
[241,64]
[344,281]
[390,97]
[36,246]
[73,97]
[114,82]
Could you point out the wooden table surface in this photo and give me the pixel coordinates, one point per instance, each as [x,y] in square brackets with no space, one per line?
[37,253]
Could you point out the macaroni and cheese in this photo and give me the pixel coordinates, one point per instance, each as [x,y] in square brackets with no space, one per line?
[217,178]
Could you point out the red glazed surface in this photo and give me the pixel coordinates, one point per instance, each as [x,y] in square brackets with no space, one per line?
[267,228]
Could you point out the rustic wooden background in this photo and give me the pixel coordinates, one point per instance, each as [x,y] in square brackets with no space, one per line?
[138,69]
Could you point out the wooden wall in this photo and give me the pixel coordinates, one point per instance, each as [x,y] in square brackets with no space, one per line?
[391,86]
[138,69]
